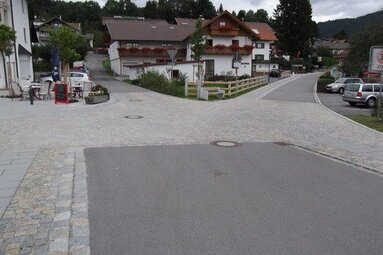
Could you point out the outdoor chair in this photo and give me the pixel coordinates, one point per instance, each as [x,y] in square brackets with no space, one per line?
[86,87]
[44,91]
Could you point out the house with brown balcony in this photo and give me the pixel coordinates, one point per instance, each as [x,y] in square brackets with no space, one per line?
[140,43]
[42,28]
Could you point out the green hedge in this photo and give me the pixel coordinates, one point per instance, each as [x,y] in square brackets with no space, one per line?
[321,87]
[160,83]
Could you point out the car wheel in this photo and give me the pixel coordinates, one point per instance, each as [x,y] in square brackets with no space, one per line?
[352,103]
[371,102]
[341,90]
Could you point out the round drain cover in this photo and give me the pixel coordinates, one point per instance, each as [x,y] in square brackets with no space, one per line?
[134,117]
[135,100]
[225,143]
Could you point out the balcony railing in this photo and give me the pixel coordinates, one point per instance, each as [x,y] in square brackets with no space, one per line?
[149,52]
[228,50]
[224,31]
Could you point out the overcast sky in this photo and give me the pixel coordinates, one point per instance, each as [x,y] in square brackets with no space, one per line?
[322,9]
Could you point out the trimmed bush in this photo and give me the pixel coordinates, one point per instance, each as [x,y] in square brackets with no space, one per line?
[321,87]
[160,83]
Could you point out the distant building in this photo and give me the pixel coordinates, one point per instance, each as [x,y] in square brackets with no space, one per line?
[339,48]
[138,44]
[42,28]
[19,65]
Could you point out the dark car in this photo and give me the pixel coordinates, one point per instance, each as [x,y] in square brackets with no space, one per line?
[274,73]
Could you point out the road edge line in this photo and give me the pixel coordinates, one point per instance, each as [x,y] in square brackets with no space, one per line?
[317,100]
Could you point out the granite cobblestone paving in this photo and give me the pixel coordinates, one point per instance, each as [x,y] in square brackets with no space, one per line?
[48,213]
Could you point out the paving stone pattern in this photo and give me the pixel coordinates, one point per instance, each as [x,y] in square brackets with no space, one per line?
[48,215]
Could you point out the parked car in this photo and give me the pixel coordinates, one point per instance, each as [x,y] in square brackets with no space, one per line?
[340,84]
[358,93]
[274,73]
[75,77]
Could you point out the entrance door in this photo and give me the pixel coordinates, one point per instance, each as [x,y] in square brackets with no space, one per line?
[209,68]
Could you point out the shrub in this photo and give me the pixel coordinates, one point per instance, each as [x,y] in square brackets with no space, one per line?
[160,83]
[321,87]
[99,90]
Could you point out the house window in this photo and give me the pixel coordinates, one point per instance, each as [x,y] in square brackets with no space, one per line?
[209,42]
[176,74]
[222,23]
[259,57]
[25,35]
[235,42]
[260,45]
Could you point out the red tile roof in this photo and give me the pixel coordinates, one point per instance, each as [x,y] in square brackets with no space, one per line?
[266,33]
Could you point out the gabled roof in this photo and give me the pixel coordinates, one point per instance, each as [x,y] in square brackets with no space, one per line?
[264,31]
[146,30]
[240,24]
[75,26]
[333,45]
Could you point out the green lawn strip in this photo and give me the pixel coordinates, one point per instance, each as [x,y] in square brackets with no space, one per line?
[369,121]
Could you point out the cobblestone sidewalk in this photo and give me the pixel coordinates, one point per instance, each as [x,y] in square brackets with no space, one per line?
[48,213]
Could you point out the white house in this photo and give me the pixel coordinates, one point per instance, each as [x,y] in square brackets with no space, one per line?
[262,47]
[19,65]
[141,43]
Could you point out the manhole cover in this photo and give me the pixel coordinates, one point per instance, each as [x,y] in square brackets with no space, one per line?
[225,143]
[134,117]
[135,100]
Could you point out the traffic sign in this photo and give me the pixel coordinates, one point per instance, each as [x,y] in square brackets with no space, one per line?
[376,59]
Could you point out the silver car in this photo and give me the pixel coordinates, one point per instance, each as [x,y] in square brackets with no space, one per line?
[357,93]
[339,85]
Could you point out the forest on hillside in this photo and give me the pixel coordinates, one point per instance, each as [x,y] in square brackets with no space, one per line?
[351,26]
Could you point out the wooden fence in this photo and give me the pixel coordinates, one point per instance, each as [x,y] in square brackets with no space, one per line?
[230,87]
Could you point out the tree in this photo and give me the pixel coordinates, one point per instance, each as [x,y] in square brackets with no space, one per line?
[198,48]
[361,43]
[151,10]
[294,26]
[220,9]
[341,35]
[69,44]
[204,8]
[241,14]
[261,16]
[7,39]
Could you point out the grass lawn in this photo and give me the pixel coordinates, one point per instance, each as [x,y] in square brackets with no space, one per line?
[371,122]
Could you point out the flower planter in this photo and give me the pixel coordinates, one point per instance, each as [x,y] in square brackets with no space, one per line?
[96,99]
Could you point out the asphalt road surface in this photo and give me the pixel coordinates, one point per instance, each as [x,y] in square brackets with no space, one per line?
[300,90]
[258,198]
[334,102]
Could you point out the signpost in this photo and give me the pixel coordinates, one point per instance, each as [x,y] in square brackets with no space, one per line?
[172,53]
[236,63]
[376,65]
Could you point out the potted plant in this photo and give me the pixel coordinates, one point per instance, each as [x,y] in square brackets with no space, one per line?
[98,94]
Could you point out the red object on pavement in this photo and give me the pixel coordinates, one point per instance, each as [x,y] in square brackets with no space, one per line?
[61,93]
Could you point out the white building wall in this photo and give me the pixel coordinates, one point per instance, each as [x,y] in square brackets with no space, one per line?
[113,53]
[116,66]
[223,64]
[21,26]
[19,10]
[185,68]
[243,40]
[265,51]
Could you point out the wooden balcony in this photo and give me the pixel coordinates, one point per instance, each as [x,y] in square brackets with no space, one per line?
[218,31]
[149,52]
[227,51]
